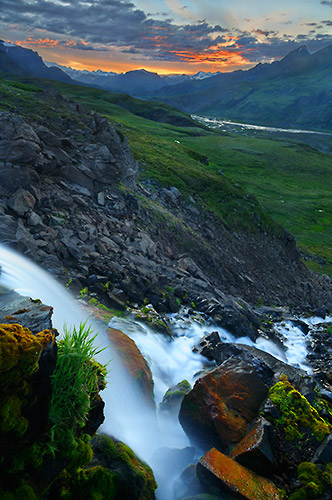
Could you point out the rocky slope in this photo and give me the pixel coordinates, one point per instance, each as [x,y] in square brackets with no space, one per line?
[71,199]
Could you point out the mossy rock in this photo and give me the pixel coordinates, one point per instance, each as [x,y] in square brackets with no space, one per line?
[95,483]
[134,478]
[297,414]
[315,481]
[298,427]
[24,395]
[20,351]
[173,397]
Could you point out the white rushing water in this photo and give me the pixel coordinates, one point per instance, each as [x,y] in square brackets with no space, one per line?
[124,407]
[127,416]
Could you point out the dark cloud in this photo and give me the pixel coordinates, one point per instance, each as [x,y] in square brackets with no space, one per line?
[326,2]
[100,25]
[81,46]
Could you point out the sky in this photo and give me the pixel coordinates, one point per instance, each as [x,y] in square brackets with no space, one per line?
[166,36]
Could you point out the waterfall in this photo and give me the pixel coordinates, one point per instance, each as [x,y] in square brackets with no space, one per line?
[128,417]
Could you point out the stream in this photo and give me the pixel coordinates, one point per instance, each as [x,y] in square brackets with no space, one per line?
[316,139]
[170,360]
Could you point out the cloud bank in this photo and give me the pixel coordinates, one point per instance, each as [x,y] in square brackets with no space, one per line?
[106,25]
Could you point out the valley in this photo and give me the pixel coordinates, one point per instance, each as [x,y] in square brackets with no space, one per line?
[178,235]
[287,173]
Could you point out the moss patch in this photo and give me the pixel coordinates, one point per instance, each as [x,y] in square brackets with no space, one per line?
[314,480]
[297,416]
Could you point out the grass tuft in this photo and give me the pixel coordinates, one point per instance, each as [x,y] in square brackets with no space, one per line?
[74,381]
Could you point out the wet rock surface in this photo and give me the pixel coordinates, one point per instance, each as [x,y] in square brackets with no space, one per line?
[135,363]
[232,477]
[219,408]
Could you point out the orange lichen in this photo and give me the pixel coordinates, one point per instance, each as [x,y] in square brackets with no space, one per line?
[224,401]
[236,478]
[134,361]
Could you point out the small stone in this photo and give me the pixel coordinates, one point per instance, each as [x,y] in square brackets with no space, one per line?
[34,219]
[83,236]
[101,248]
[21,202]
[101,199]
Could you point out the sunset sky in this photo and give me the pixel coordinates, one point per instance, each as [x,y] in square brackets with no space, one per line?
[166,36]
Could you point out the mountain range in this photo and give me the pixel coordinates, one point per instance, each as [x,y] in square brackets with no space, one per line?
[293,92]
[19,61]
[138,83]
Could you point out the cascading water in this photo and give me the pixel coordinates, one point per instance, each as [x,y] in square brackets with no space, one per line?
[127,416]
[125,410]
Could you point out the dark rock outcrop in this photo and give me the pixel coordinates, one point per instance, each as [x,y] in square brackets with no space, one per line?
[222,404]
[30,313]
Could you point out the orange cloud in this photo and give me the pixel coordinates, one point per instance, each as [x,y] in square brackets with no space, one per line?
[219,57]
[42,43]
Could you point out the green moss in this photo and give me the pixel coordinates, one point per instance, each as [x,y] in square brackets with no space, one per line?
[22,492]
[314,480]
[95,483]
[135,478]
[297,415]
[321,404]
[6,495]
[10,416]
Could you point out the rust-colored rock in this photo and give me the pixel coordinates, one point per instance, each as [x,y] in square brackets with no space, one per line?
[134,361]
[216,469]
[254,451]
[218,410]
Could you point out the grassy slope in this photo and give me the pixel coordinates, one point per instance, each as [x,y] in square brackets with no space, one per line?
[164,160]
[292,181]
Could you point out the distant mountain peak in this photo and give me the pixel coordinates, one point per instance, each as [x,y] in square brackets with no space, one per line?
[299,53]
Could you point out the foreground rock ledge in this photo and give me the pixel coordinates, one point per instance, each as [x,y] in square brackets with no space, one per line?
[216,469]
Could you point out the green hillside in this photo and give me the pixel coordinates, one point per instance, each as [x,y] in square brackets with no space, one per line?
[293,92]
[291,180]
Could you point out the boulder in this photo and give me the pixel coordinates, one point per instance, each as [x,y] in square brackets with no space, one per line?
[324,452]
[134,361]
[269,367]
[254,451]
[8,228]
[129,477]
[298,429]
[216,469]
[218,410]
[173,398]
[22,201]
[19,143]
[144,244]
[15,308]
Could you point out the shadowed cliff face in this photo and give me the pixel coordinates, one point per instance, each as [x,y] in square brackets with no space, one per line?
[71,200]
